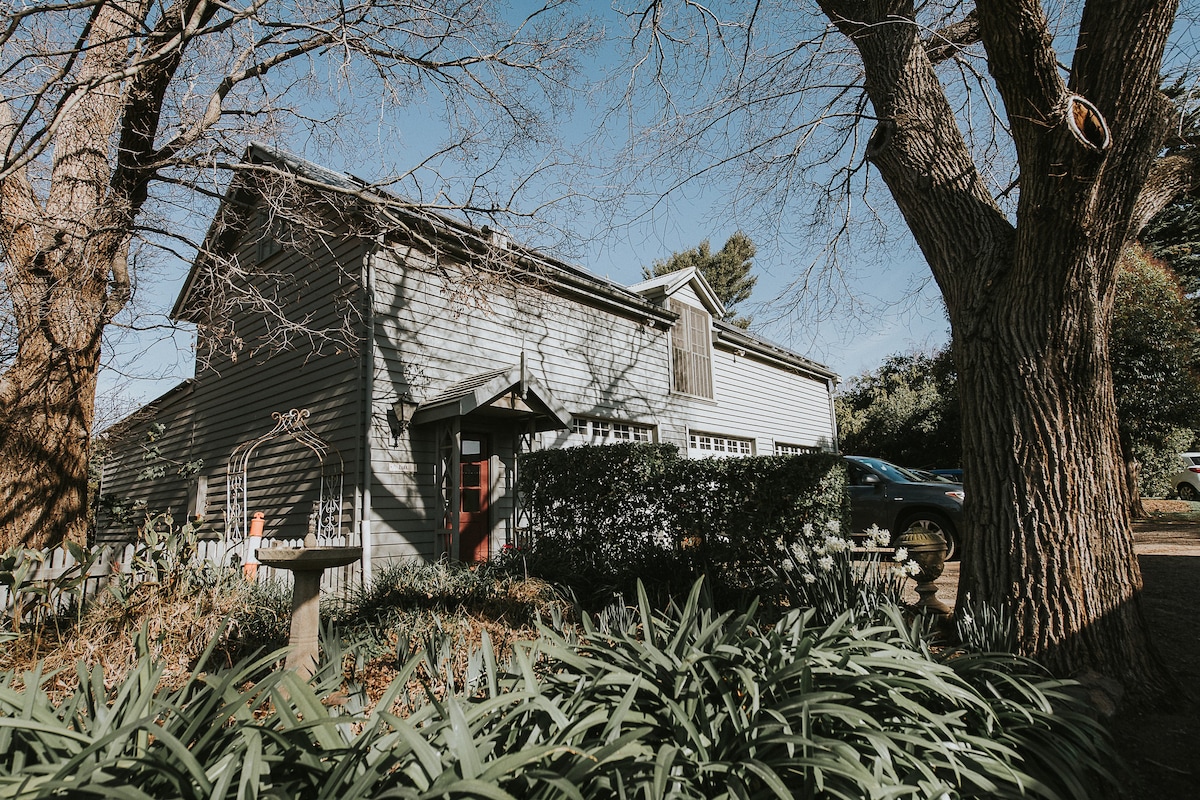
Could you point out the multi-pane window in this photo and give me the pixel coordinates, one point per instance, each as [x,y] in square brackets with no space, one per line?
[782,449]
[691,351]
[707,444]
[602,431]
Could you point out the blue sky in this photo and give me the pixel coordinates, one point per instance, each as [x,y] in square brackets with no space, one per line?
[881,302]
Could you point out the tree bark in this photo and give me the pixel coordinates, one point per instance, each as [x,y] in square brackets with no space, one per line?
[60,255]
[1047,528]
[46,412]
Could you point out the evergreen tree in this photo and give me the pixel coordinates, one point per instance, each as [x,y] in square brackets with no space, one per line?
[727,271]
[1174,237]
[1155,348]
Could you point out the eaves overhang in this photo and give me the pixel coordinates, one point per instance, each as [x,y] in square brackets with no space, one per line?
[732,338]
[508,394]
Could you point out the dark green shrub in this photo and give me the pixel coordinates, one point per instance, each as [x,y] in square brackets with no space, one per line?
[740,517]
[605,517]
[600,519]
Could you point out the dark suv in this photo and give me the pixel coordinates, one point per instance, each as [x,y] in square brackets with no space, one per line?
[898,500]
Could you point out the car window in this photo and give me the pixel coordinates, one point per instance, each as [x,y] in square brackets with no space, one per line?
[894,473]
[888,470]
[856,474]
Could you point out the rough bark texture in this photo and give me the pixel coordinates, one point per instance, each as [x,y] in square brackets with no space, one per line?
[61,255]
[1030,303]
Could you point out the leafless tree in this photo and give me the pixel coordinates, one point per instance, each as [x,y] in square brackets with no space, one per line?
[111,111]
[1023,147]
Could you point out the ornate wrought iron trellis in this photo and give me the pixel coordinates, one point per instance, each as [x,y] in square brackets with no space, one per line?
[328,508]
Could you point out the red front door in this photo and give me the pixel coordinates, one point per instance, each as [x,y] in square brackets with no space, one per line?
[474,519]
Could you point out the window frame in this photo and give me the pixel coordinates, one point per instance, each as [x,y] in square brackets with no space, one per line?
[691,351]
[601,430]
[719,445]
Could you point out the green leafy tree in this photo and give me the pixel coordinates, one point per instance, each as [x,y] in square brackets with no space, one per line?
[727,271]
[1155,348]
[906,411]
[1174,237]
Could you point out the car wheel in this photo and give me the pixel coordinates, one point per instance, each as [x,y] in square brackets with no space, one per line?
[1188,492]
[932,522]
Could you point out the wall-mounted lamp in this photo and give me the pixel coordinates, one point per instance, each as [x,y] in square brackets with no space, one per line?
[401,414]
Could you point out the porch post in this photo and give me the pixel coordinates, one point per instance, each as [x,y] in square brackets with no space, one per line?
[455,487]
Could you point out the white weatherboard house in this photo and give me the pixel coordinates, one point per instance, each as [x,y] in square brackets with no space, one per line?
[470,351]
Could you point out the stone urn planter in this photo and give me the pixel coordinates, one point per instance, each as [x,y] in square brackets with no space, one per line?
[929,551]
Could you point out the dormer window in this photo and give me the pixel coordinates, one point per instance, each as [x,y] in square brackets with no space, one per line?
[691,351]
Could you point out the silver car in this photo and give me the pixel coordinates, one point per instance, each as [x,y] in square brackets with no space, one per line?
[1187,479]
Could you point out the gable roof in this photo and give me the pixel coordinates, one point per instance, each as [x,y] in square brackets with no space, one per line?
[508,392]
[392,213]
[641,301]
[663,286]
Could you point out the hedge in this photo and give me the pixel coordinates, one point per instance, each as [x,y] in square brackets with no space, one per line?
[602,517]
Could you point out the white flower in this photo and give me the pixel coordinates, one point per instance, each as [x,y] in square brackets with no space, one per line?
[836,544]
[833,525]
[913,568]
[800,554]
[808,577]
[878,537]
[788,565]
[901,555]
[825,563]
[807,530]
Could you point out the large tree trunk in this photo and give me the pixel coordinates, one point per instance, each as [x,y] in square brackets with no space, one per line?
[46,413]
[1047,529]
[65,270]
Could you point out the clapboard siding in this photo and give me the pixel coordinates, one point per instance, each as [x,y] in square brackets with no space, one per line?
[766,403]
[160,438]
[239,395]
[237,390]
[457,305]
[588,359]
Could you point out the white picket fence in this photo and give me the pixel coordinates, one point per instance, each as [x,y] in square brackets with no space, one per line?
[119,560]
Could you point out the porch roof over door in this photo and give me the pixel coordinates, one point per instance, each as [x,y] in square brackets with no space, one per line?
[510,394]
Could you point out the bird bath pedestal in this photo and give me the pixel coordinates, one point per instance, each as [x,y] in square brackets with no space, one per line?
[306,564]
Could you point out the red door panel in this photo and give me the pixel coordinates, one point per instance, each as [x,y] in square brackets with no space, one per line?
[474,517]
